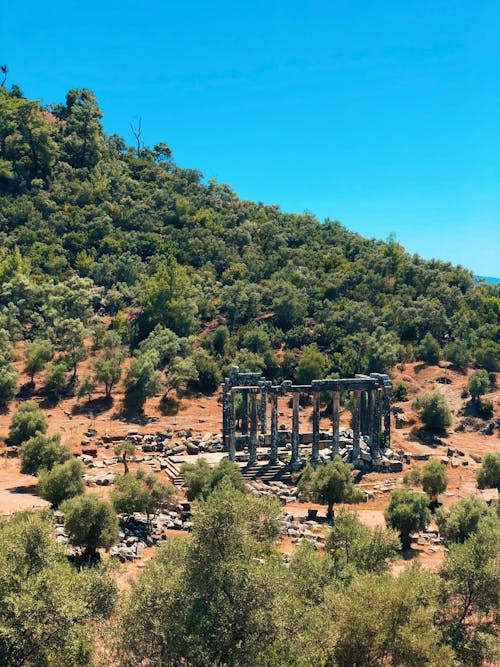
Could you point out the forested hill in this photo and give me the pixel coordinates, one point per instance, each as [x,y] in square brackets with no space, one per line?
[104,234]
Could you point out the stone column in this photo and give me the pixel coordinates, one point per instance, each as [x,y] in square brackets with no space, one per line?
[295,428]
[387,415]
[377,415]
[364,413]
[374,435]
[253,429]
[273,458]
[335,422]
[315,424]
[263,410]
[230,427]
[244,413]
[356,415]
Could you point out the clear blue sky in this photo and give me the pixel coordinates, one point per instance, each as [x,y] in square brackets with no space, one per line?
[383,115]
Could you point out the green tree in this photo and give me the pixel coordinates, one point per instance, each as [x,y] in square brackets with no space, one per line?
[488,475]
[214,601]
[56,377]
[458,353]
[311,365]
[462,519]
[209,375]
[478,384]
[107,371]
[48,610]
[37,356]
[164,343]
[407,512]
[433,410]
[389,620]
[42,451]
[352,544]
[179,374]
[434,478]
[201,480]
[333,483]
[471,595]
[90,522]
[142,492]
[488,356]
[400,392]
[142,382]
[8,381]
[125,450]
[26,422]
[71,335]
[64,481]
[429,350]
[86,388]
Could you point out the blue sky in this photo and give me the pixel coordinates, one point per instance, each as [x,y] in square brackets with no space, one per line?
[383,115]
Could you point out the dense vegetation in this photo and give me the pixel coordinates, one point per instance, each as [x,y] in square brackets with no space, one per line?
[224,596]
[95,235]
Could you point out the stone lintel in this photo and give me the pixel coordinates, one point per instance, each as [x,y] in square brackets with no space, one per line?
[347,384]
[246,390]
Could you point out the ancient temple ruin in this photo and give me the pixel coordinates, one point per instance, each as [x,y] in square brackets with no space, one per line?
[371,423]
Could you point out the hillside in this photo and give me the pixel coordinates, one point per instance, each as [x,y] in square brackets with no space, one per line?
[108,235]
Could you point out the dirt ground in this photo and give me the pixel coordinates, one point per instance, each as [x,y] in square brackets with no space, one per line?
[72,417]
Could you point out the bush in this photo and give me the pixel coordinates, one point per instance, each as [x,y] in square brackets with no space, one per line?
[407,512]
[485,409]
[42,451]
[458,353]
[429,350]
[478,384]
[90,523]
[488,356]
[27,421]
[488,476]
[209,375]
[64,481]
[142,492]
[462,519]
[434,478]
[8,382]
[201,480]
[433,410]
[400,392]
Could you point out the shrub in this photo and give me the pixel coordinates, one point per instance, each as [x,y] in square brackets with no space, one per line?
[429,350]
[462,519]
[27,421]
[478,384]
[42,451]
[407,512]
[488,476]
[90,523]
[433,410]
[400,392]
[64,481]
[434,478]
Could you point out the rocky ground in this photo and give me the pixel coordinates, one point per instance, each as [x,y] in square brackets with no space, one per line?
[191,428]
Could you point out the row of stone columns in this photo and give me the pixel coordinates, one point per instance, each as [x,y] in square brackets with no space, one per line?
[371,404]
